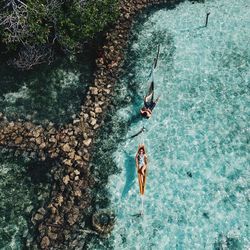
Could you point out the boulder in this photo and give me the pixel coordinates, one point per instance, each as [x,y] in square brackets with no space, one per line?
[59,200]
[66,179]
[93,90]
[73,216]
[98,110]
[45,242]
[76,172]
[92,113]
[41,210]
[67,162]
[93,121]
[66,147]
[96,127]
[78,157]
[18,140]
[38,217]
[87,142]
[78,193]
[36,133]
[52,236]
[42,145]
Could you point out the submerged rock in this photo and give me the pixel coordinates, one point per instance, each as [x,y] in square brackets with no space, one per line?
[103,221]
[73,216]
[45,242]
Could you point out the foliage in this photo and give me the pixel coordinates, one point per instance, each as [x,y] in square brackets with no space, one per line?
[75,24]
[65,23]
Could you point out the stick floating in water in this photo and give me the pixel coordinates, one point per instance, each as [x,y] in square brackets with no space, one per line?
[208,13]
[157,56]
[142,130]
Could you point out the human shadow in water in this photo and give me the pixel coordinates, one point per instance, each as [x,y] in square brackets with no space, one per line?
[130,174]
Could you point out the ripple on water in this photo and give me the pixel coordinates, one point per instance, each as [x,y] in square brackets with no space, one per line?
[197,191]
[17,204]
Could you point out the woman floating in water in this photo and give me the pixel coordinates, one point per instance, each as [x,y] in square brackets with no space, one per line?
[141,165]
[149,102]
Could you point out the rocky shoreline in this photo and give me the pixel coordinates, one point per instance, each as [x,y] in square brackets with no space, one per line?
[71,145]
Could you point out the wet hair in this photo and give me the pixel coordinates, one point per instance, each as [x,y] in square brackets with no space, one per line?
[141,148]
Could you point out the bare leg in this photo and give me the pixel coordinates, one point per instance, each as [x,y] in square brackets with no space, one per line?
[141,177]
[143,169]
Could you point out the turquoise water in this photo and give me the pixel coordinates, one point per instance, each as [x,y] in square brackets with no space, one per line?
[197,192]
[24,187]
[48,92]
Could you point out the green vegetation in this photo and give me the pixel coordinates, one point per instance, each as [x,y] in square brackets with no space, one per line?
[36,24]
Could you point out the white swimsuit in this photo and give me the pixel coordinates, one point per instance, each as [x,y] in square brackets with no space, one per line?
[141,160]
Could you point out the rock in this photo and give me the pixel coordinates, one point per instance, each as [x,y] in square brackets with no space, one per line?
[86,156]
[98,110]
[59,200]
[54,155]
[45,242]
[41,210]
[11,124]
[78,193]
[92,113]
[76,172]
[67,162]
[78,157]
[53,209]
[66,147]
[66,179]
[73,216]
[93,121]
[36,133]
[76,121]
[39,140]
[72,155]
[42,145]
[52,236]
[96,127]
[85,116]
[52,139]
[93,90]
[38,217]
[18,140]
[87,142]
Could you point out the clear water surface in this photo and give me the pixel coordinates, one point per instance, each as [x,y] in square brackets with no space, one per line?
[197,192]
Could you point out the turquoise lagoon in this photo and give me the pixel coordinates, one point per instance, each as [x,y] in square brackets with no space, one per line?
[197,192]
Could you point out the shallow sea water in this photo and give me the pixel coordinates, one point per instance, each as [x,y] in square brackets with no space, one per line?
[197,192]
[47,93]
[24,186]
